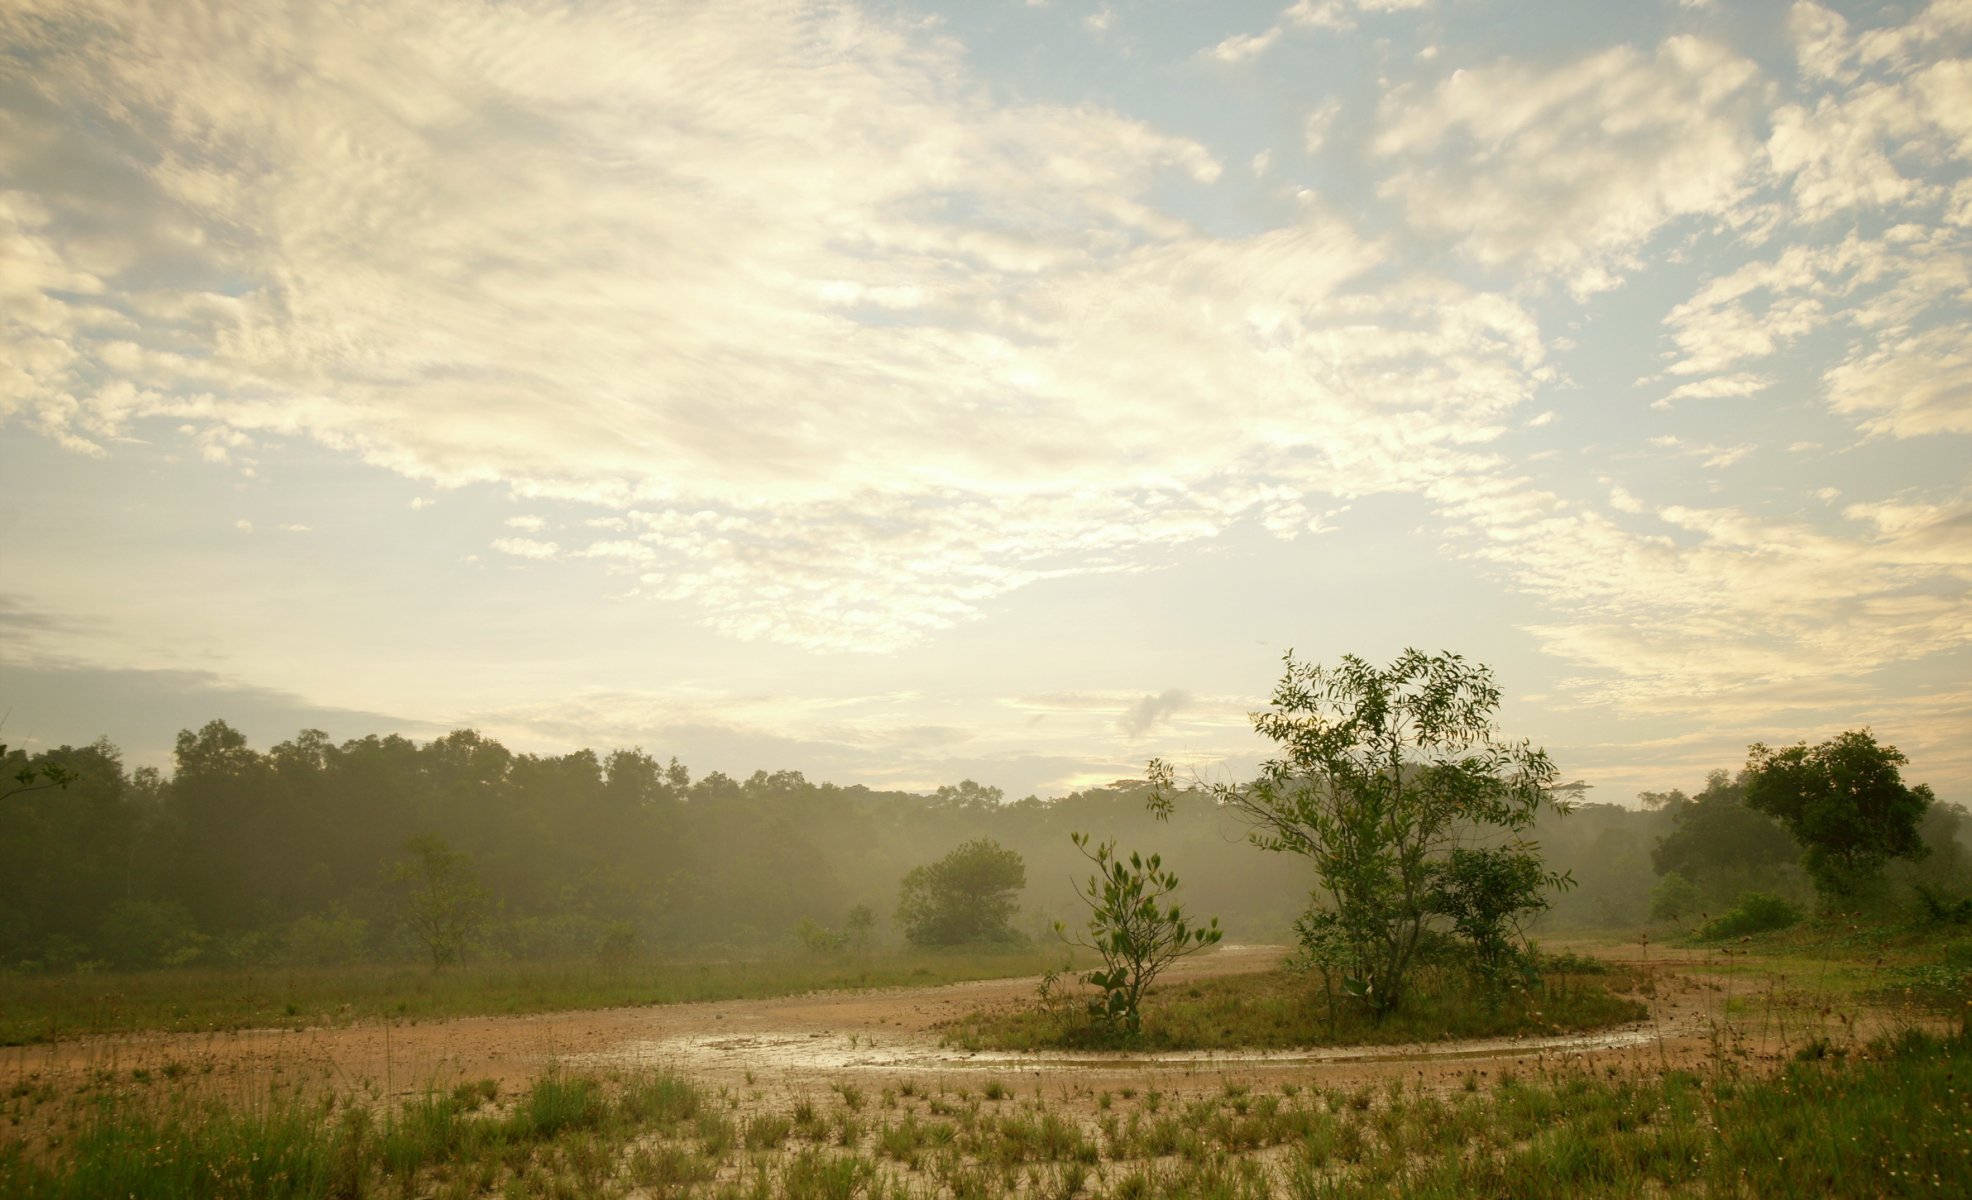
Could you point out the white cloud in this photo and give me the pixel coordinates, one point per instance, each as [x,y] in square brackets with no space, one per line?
[1735,386]
[1332,15]
[1716,602]
[527,523]
[712,335]
[1916,385]
[526,547]
[1241,47]
[1568,171]
[243,525]
[1315,130]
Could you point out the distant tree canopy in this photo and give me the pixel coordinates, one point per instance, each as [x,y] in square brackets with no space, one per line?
[1717,840]
[967,897]
[244,855]
[1845,801]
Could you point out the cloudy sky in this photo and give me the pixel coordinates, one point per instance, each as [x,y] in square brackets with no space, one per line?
[904,392]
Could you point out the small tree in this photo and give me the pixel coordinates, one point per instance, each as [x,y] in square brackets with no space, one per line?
[1845,802]
[1381,772]
[1136,934]
[965,897]
[1487,894]
[444,904]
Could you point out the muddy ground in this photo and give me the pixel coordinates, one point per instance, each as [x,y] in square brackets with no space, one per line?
[876,1038]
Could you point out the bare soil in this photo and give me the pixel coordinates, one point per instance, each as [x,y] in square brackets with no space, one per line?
[879,1037]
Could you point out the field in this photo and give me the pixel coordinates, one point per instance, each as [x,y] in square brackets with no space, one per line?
[1811,1061]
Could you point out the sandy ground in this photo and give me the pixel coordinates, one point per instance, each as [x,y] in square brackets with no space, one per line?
[878,1037]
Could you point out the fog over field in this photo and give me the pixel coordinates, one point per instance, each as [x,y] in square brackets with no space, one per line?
[902,394]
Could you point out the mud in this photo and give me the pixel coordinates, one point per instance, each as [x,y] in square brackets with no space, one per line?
[803,1043]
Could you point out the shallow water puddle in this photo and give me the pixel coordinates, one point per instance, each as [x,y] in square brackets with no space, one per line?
[770,1051]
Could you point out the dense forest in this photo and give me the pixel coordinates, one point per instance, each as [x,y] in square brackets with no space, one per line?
[306,853]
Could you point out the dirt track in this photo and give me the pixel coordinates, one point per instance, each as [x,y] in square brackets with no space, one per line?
[805,1042]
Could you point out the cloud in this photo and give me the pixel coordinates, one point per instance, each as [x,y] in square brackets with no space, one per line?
[1144,715]
[526,547]
[1331,15]
[762,327]
[527,524]
[1689,612]
[853,351]
[1916,385]
[1568,171]
[1321,120]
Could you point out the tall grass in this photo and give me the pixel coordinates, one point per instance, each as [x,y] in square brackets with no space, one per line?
[1889,1121]
[40,1008]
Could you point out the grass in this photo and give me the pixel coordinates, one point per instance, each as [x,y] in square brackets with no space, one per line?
[1279,1010]
[1883,1118]
[1890,1120]
[42,1008]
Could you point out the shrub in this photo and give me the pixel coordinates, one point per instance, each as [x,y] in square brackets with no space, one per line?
[1757,912]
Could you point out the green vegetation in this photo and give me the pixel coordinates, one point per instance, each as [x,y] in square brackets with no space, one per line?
[1136,934]
[1383,773]
[1282,1010]
[965,898]
[444,904]
[265,859]
[40,1007]
[1757,912]
[1845,802]
[1885,1119]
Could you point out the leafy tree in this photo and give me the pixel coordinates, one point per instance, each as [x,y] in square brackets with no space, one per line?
[1381,772]
[1487,894]
[1674,898]
[1720,843]
[444,904]
[965,897]
[150,933]
[860,927]
[1844,801]
[1136,934]
[34,776]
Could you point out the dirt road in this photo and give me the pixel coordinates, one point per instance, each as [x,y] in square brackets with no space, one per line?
[806,1042]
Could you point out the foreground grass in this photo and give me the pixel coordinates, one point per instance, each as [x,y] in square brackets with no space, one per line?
[1888,1120]
[1280,1010]
[40,1008]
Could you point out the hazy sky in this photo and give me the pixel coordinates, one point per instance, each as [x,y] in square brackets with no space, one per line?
[901,392]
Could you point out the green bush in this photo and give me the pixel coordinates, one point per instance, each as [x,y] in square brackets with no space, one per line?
[1757,912]
[1673,897]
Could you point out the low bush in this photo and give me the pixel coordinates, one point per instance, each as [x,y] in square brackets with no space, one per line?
[1757,912]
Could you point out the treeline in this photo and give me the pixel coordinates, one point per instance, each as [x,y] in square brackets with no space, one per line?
[297,854]
[1682,859]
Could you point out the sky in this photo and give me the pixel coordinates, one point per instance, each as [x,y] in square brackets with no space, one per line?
[902,393]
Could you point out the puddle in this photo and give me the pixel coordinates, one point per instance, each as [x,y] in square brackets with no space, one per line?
[770,1052]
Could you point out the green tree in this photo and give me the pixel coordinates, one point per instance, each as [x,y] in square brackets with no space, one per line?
[1719,843]
[1845,802]
[33,776]
[443,903]
[1488,894]
[1380,772]
[1135,932]
[965,897]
